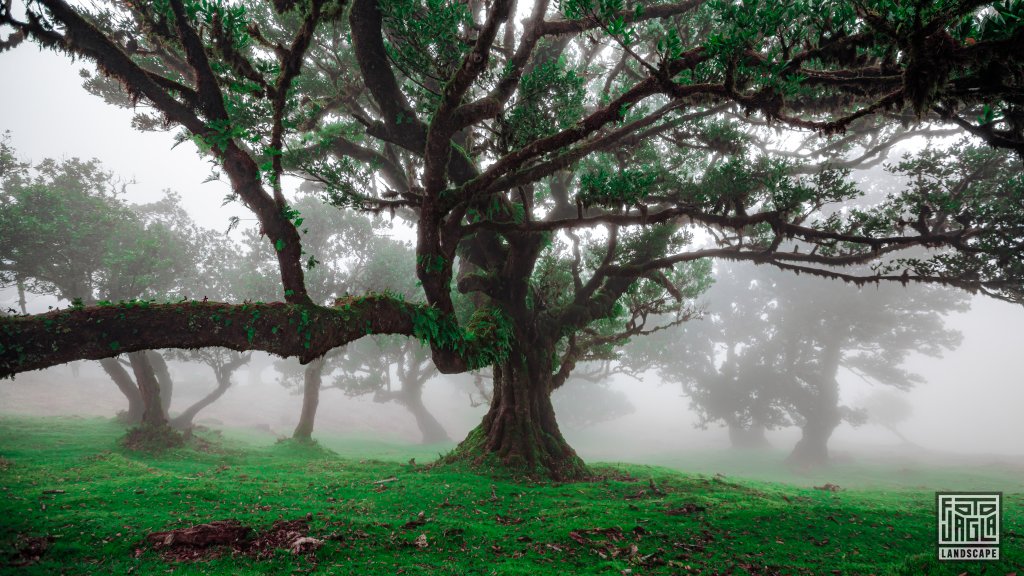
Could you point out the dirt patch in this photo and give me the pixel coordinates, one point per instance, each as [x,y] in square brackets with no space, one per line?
[28,550]
[201,541]
[685,510]
[220,533]
[152,439]
[290,535]
[214,539]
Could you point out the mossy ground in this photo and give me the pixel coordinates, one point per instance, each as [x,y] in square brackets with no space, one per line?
[69,481]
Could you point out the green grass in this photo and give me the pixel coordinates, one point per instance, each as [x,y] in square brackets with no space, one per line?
[113,498]
[887,471]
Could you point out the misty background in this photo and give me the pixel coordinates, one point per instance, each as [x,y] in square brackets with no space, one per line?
[967,410]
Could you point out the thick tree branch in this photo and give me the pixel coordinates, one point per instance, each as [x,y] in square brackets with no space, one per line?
[556,27]
[303,331]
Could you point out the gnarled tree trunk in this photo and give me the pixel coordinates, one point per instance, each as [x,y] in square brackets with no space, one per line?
[820,408]
[411,397]
[152,408]
[310,400]
[127,386]
[163,377]
[184,420]
[520,429]
[223,373]
[812,448]
[431,430]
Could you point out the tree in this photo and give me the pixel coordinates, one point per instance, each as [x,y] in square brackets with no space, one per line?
[770,351]
[66,232]
[889,409]
[722,360]
[505,138]
[588,398]
[224,363]
[347,255]
[413,369]
[365,263]
[391,369]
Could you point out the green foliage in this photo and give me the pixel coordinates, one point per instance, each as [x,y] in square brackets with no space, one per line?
[626,187]
[431,263]
[219,134]
[486,340]
[427,40]
[344,179]
[608,12]
[489,334]
[550,98]
[965,187]
[771,343]
[701,90]
[64,230]
[1001,22]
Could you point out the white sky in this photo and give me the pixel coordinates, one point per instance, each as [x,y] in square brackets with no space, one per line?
[50,115]
[973,398]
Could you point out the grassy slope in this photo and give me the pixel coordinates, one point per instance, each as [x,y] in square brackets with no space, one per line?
[113,499]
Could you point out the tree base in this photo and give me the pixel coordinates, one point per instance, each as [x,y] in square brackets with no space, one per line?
[148,438]
[811,451]
[127,418]
[552,459]
[303,446]
[807,455]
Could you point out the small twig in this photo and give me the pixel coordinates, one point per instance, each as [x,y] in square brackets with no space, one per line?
[655,489]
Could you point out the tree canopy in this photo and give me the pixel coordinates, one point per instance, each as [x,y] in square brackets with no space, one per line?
[769,351]
[566,166]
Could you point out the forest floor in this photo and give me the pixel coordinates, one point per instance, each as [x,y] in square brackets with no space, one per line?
[73,502]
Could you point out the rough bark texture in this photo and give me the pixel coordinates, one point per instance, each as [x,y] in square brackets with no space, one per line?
[305,331]
[127,386]
[152,408]
[520,429]
[163,377]
[310,400]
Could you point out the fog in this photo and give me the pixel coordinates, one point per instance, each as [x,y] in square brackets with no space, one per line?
[965,412]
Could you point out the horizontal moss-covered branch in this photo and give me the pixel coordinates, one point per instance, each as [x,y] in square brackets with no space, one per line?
[305,331]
